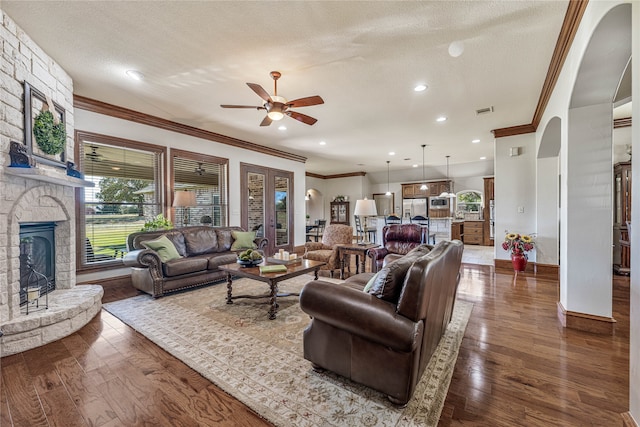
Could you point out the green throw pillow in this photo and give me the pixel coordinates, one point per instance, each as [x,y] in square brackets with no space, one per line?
[164,247]
[243,240]
[370,283]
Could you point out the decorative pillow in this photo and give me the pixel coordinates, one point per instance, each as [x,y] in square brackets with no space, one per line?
[370,283]
[389,281]
[243,240]
[164,247]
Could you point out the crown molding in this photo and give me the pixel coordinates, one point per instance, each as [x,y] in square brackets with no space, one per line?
[100,107]
[572,18]
[622,123]
[339,175]
[513,130]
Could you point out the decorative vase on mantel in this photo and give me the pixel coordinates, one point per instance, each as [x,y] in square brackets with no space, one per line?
[519,261]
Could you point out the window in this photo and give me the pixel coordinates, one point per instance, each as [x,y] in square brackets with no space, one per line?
[206,176]
[128,191]
[469,201]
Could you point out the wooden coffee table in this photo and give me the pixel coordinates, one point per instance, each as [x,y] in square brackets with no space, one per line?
[272,279]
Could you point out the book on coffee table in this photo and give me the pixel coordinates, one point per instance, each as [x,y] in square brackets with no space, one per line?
[279,268]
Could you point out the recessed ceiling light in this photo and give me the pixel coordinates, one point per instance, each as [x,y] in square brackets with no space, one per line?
[392,153]
[441,119]
[420,88]
[483,158]
[475,141]
[282,127]
[135,74]
[323,143]
[414,166]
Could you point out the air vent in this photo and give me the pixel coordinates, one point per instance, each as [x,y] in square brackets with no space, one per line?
[486,110]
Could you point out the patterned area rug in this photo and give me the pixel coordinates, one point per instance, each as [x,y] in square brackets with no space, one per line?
[260,362]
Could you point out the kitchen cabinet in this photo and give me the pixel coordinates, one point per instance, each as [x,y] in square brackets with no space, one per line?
[340,213]
[473,233]
[434,189]
[457,230]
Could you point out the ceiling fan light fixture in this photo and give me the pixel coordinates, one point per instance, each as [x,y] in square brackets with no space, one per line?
[275,115]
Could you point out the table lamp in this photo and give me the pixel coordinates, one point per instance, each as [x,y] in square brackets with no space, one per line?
[365,208]
[184,199]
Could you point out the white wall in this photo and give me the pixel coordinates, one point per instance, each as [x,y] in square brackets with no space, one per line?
[547,215]
[515,189]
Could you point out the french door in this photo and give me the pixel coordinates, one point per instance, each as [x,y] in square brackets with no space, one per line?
[267,205]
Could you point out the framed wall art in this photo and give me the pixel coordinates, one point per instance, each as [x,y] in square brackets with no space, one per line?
[45,132]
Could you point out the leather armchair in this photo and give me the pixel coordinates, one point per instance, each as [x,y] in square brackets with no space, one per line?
[397,239]
[327,250]
[384,341]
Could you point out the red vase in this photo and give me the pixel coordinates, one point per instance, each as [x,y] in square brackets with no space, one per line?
[519,261]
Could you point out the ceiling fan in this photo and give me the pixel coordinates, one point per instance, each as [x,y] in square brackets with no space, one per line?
[200,170]
[277,107]
[93,156]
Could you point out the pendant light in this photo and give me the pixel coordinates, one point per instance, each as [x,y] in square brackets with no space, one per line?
[388,193]
[424,184]
[449,193]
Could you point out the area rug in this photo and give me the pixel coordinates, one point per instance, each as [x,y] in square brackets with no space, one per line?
[260,362]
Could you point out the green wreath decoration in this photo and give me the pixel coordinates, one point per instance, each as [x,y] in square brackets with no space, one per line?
[51,137]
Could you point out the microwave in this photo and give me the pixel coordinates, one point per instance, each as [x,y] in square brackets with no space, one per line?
[439,202]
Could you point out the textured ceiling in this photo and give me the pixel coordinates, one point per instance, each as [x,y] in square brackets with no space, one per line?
[363,58]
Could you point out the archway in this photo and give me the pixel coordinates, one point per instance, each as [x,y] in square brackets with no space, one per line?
[586,184]
[547,203]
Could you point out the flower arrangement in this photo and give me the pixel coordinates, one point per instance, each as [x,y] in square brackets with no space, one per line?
[518,243]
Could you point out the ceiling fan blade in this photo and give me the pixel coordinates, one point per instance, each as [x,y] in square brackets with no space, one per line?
[306,102]
[301,117]
[260,91]
[241,106]
[266,121]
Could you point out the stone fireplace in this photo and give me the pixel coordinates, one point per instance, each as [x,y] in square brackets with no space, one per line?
[35,201]
[43,193]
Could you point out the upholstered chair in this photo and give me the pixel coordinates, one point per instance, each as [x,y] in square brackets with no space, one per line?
[397,239]
[383,336]
[327,249]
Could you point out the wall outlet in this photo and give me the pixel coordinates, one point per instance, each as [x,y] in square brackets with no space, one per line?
[520,209]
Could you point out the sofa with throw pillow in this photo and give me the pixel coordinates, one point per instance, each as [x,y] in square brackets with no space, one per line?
[169,260]
[380,329]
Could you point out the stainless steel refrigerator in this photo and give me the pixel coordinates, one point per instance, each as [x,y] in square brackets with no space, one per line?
[413,207]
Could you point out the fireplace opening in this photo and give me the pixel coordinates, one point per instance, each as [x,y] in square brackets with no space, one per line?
[37,253]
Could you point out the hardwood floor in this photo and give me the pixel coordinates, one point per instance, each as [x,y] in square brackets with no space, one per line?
[517,367]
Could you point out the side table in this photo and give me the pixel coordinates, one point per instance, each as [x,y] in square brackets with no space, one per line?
[360,251]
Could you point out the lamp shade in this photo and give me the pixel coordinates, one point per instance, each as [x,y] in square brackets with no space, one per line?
[365,207]
[184,199]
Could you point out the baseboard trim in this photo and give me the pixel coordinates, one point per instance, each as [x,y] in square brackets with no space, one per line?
[547,271]
[586,322]
[550,271]
[110,282]
[627,420]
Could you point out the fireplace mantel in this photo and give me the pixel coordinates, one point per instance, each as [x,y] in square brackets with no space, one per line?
[48,175]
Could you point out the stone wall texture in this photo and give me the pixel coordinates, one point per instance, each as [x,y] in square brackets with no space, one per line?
[23,199]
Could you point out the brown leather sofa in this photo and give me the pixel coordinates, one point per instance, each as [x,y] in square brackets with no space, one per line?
[385,337]
[398,239]
[201,248]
